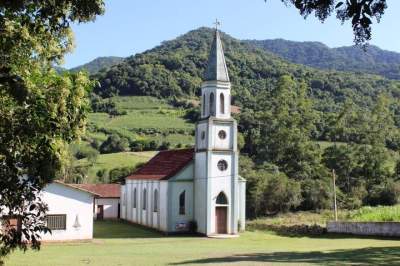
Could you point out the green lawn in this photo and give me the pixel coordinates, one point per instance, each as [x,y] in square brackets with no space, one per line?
[113,160]
[125,244]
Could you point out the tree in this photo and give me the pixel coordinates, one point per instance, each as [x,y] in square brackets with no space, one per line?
[282,134]
[114,143]
[360,12]
[40,110]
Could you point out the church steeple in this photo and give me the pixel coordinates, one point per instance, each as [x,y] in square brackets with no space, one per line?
[216,67]
[215,90]
[216,180]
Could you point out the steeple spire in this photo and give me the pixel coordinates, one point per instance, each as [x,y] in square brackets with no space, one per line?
[216,68]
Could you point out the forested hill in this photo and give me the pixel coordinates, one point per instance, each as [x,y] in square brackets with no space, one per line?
[349,58]
[175,68]
[98,64]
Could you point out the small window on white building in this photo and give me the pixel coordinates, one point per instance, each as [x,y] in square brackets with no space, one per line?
[222,165]
[212,108]
[222,134]
[222,103]
[221,199]
[144,199]
[204,104]
[155,204]
[182,203]
[56,221]
[134,198]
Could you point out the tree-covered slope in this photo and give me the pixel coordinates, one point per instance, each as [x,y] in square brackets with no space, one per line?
[349,58]
[175,69]
[98,64]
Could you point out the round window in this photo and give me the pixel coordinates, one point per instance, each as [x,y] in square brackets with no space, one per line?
[203,134]
[222,134]
[222,165]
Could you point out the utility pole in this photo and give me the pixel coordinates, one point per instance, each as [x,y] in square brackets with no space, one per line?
[334,192]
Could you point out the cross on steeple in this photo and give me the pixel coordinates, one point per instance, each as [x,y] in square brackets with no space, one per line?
[217,23]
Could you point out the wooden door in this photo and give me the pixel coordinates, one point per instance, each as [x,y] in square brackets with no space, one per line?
[100,212]
[221,214]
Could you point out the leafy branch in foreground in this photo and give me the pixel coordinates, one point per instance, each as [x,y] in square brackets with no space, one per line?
[40,111]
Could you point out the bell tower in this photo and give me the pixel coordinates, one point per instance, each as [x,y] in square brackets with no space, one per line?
[216,154]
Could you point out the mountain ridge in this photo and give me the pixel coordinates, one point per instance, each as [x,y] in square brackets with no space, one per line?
[373,60]
[309,53]
[174,69]
[98,64]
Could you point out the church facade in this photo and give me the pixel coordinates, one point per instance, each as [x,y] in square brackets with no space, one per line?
[194,189]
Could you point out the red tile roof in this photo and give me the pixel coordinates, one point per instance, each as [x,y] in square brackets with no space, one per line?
[102,190]
[164,165]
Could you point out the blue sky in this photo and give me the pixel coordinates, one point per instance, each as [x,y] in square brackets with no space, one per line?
[132,26]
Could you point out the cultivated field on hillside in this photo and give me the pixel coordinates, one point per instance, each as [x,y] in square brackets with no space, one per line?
[113,160]
[147,117]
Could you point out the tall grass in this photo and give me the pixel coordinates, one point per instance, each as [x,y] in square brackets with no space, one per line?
[376,214]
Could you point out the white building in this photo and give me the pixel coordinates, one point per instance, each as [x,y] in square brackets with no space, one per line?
[179,188]
[70,214]
[106,201]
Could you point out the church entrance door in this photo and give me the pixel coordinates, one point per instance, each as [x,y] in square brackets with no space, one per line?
[221,215]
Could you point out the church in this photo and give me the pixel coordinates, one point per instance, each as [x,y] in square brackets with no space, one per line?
[194,189]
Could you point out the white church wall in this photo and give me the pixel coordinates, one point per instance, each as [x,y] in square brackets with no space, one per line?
[182,181]
[227,100]
[242,204]
[147,216]
[78,208]
[202,142]
[220,181]
[177,221]
[163,212]
[219,143]
[200,191]
[110,207]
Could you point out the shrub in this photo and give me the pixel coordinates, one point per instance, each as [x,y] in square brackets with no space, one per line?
[114,143]
[281,194]
[117,175]
[387,193]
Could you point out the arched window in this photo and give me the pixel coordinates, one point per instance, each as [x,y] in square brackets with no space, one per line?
[134,198]
[182,200]
[155,204]
[144,199]
[204,104]
[222,103]
[221,199]
[212,110]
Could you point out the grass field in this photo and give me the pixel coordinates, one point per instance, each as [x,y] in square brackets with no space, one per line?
[113,160]
[124,244]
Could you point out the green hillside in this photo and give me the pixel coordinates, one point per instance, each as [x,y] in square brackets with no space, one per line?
[146,118]
[349,58]
[107,162]
[175,68]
